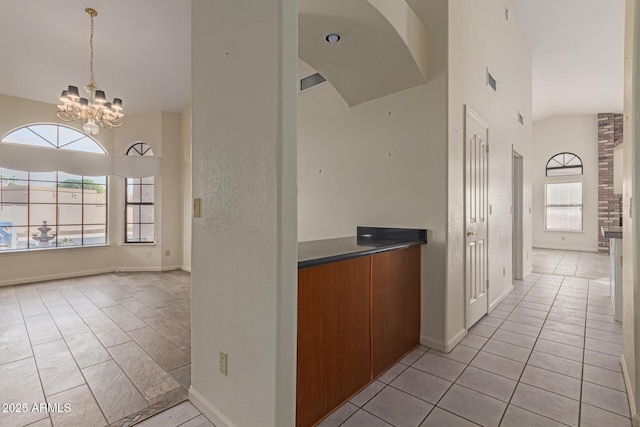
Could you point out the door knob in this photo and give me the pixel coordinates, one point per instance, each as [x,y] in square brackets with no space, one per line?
[471,233]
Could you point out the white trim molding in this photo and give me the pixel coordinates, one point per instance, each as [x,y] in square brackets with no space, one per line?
[630,396]
[208,410]
[500,298]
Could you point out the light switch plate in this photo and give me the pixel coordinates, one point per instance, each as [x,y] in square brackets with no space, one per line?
[196,208]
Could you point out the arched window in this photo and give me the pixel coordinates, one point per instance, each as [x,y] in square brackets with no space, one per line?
[563,164]
[139,202]
[48,209]
[563,199]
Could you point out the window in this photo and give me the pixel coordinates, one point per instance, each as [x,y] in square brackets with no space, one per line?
[52,209]
[563,164]
[139,202]
[563,208]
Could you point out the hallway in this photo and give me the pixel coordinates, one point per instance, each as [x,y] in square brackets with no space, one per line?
[548,355]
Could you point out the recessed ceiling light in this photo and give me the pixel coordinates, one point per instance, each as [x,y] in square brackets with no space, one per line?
[333,38]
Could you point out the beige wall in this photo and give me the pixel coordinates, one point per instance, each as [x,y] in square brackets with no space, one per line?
[479,38]
[386,162]
[381,163]
[578,135]
[162,132]
[630,291]
[244,259]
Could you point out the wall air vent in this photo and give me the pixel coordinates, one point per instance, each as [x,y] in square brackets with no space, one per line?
[520,118]
[311,81]
[491,81]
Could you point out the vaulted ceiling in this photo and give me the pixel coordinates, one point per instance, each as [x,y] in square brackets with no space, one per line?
[577,48]
[142,51]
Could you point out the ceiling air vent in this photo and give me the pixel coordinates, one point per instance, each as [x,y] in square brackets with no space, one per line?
[491,81]
[311,81]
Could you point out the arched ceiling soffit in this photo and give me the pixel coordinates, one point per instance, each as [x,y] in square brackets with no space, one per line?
[382,50]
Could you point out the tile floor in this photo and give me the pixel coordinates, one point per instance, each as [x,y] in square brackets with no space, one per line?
[548,355]
[116,347]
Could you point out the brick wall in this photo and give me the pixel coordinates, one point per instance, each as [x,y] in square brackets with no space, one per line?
[609,204]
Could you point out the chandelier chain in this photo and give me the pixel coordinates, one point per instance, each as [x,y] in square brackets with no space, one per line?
[91,79]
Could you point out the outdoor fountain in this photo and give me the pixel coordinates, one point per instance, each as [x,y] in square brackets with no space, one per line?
[44,236]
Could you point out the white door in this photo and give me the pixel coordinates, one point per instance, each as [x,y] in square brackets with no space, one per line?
[476,209]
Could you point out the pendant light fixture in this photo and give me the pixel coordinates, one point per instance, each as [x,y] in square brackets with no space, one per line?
[94,110]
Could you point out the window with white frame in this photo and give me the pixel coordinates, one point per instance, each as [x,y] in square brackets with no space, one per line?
[563,200]
[51,209]
[139,202]
[563,206]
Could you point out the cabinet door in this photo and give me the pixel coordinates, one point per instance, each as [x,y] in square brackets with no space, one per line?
[395,316]
[334,358]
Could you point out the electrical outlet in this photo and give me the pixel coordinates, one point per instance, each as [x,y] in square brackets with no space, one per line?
[222,358]
[504,271]
[562,237]
[149,254]
[167,252]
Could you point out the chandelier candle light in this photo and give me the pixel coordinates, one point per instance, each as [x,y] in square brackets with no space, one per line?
[94,110]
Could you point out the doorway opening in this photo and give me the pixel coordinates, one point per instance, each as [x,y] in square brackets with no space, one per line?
[517,215]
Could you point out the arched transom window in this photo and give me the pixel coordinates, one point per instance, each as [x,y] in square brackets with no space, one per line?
[563,164]
[49,209]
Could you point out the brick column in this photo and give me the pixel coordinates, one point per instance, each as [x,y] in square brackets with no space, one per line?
[609,204]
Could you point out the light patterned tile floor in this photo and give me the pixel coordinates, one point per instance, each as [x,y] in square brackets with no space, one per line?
[548,355]
[115,347]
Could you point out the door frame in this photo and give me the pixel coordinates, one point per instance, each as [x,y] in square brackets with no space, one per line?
[517,215]
[468,111]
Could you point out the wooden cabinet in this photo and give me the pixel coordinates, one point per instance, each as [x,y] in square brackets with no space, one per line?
[395,313]
[333,336]
[355,319]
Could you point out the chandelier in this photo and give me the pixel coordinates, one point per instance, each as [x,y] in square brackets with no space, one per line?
[95,109]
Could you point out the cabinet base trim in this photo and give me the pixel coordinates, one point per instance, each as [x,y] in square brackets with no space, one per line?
[212,413]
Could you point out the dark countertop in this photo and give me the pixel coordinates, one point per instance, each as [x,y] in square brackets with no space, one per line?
[369,241]
[611,232]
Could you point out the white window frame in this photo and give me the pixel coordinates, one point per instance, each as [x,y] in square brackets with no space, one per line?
[564,181]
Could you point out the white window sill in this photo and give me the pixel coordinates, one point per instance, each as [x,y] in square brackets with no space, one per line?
[566,231]
[138,244]
[39,250]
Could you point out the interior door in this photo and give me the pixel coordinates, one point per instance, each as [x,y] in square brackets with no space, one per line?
[476,210]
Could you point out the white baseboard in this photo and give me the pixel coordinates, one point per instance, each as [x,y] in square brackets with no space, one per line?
[186,268]
[631,397]
[527,272]
[45,277]
[459,336]
[566,248]
[442,346]
[134,269]
[210,411]
[431,343]
[500,298]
